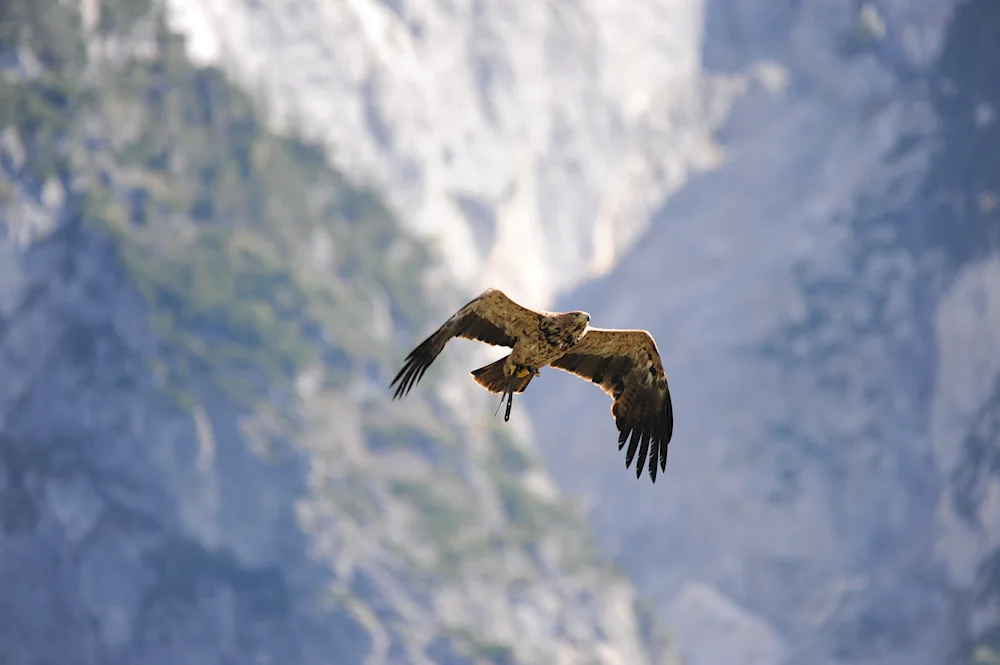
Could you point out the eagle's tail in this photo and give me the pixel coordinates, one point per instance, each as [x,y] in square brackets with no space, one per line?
[492,378]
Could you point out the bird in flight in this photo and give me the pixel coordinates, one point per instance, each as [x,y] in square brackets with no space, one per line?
[624,363]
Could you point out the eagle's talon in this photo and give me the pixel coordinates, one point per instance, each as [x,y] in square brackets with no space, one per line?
[523,372]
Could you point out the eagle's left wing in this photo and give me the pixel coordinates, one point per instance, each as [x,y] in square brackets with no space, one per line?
[626,364]
[491,317]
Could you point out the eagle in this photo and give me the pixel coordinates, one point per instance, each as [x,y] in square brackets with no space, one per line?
[624,363]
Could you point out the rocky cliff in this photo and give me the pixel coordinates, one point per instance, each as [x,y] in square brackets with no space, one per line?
[198,462]
[529,142]
[831,366]
[826,304]
[815,187]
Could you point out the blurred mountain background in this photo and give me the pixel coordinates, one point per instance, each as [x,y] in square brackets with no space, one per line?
[223,225]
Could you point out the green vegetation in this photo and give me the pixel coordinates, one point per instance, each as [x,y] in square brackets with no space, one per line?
[213,213]
[42,108]
[469,645]
[442,518]
[507,456]
[527,513]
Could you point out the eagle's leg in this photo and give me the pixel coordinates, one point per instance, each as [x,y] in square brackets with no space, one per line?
[508,393]
[518,372]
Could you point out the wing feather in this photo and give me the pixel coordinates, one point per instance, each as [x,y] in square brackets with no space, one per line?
[491,317]
[626,365]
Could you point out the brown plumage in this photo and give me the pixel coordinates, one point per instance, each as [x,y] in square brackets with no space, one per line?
[624,363]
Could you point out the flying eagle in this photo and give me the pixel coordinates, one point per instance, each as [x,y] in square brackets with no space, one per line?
[624,363]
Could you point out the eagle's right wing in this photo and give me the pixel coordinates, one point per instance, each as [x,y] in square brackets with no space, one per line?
[626,365]
[491,317]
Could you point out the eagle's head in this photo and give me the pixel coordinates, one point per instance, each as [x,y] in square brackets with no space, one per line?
[580,322]
[569,327]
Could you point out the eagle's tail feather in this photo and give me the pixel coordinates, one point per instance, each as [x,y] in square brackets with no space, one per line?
[492,378]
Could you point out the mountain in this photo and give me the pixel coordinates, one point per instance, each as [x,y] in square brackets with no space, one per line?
[794,197]
[198,458]
[199,316]
[826,307]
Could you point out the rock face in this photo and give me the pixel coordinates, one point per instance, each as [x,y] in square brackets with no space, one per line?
[196,451]
[534,143]
[198,462]
[724,632]
[825,306]
[533,140]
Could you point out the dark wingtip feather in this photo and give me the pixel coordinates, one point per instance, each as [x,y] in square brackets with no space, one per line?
[648,436]
[643,450]
[632,445]
[414,367]
[668,418]
[652,460]
[405,378]
[668,426]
